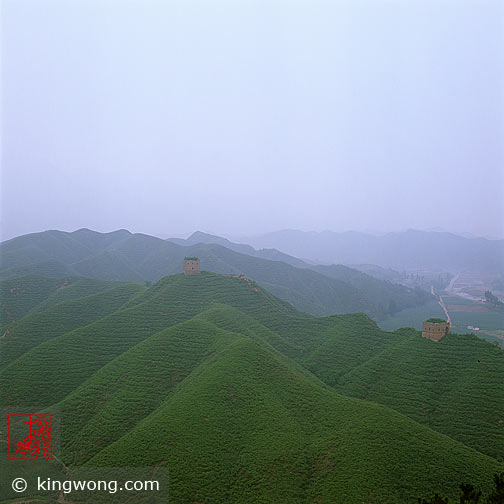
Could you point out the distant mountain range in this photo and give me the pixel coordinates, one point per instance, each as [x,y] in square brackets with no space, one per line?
[121,255]
[270,254]
[408,250]
[389,297]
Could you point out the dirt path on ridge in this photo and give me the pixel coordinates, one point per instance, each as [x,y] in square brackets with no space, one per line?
[441,303]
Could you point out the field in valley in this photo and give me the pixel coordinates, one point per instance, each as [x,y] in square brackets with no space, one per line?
[464,313]
[412,317]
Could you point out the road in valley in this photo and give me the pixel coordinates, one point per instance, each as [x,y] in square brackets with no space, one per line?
[441,303]
[452,282]
[457,291]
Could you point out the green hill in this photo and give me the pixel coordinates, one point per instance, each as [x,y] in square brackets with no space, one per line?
[74,288]
[20,296]
[387,297]
[271,254]
[455,386]
[246,427]
[67,359]
[62,318]
[123,256]
[240,395]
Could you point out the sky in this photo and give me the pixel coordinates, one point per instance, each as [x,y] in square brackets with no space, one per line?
[166,117]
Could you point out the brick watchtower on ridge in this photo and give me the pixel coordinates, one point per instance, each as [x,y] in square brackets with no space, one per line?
[191,266]
[435,329]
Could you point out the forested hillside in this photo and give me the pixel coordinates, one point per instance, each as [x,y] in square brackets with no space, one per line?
[387,297]
[244,398]
[141,258]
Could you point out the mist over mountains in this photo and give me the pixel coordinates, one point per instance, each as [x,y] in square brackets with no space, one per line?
[410,249]
[362,363]
[265,253]
[222,378]
[125,256]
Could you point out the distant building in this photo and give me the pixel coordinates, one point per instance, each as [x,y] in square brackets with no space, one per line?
[191,266]
[435,329]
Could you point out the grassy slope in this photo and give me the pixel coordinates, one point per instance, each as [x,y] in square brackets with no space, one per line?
[149,371]
[40,247]
[68,359]
[132,386]
[386,296]
[50,268]
[20,295]
[151,359]
[78,287]
[329,347]
[307,290]
[127,257]
[455,386]
[64,317]
[247,427]
[65,248]
[108,266]
[346,343]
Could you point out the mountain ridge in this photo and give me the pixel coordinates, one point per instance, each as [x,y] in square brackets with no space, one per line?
[411,249]
[138,257]
[237,386]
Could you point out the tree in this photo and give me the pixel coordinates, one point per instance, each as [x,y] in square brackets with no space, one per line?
[491,299]
[469,495]
[497,496]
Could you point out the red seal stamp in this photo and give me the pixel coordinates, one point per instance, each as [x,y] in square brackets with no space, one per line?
[29,435]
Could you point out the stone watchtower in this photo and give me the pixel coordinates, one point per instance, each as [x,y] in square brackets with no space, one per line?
[435,329]
[191,266]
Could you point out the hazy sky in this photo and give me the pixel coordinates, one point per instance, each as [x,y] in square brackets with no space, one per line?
[242,117]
